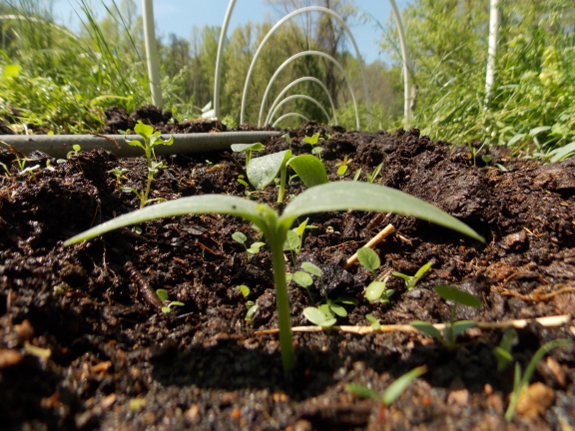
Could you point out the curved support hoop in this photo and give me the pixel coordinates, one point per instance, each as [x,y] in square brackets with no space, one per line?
[221,43]
[291,114]
[287,18]
[320,54]
[152,52]
[290,85]
[406,89]
[301,96]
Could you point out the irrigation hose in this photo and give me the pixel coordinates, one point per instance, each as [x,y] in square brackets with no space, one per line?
[61,145]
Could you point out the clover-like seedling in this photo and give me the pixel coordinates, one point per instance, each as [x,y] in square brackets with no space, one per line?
[412,280]
[252,249]
[118,172]
[252,306]
[377,291]
[520,382]
[313,141]
[76,149]
[247,149]
[167,307]
[340,196]
[503,351]
[151,140]
[373,321]
[453,328]
[392,392]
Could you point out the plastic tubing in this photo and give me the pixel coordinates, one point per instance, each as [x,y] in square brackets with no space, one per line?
[61,145]
[291,114]
[301,96]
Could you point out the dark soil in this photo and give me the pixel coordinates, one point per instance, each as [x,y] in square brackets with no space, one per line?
[83,347]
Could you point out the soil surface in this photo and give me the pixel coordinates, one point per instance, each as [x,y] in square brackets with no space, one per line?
[84,345]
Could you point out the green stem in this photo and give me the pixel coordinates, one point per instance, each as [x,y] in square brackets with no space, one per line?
[283,174]
[144,199]
[282,301]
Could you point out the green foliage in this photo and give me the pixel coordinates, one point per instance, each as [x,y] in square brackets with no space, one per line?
[520,382]
[392,392]
[163,295]
[412,280]
[151,140]
[339,196]
[453,328]
[503,351]
[531,107]
[252,249]
[252,306]
[247,149]
[369,259]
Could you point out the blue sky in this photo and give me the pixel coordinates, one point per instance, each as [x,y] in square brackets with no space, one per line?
[178,16]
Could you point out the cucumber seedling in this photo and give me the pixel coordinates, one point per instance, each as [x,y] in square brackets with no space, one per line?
[247,149]
[341,196]
[453,328]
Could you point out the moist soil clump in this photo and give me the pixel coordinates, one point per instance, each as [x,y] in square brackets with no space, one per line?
[84,344]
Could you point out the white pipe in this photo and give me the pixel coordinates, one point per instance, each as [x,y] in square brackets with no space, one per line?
[291,114]
[152,53]
[221,43]
[492,48]
[406,89]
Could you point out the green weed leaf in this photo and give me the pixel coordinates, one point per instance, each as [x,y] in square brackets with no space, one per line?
[310,170]
[396,388]
[427,328]
[450,293]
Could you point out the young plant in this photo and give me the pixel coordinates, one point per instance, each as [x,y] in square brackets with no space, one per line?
[76,149]
[343,166]
[377,291]
[503,351]
[341,196]
[252,249]
[313,141]
[453,329]
[392,392]
[520,382]
[294,239]
[325,314]
[263,170]
[252,306]
[371,177]
[119,173]
[411,280]
[163,295]
[248,149]
[151,140]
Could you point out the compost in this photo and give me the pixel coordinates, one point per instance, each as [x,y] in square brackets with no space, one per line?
[83,345]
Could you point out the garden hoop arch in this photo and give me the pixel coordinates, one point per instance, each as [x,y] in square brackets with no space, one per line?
[301,96]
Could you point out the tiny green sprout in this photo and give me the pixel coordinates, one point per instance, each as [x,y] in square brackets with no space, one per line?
[373,322]
[313,141]
[242,181]
[342,166]
[247,149]
[340,196]
[118,172]
[294,240]
[453,328]
[377,291]
[304,278]
[151,140]
[163,295]
[521,382]
[75,151]
[252,306]
[252,249]
[325,314]
[357,175]
[288,140]
[411,281]
[371,177]
[392,392]
[503,351]
[369,259]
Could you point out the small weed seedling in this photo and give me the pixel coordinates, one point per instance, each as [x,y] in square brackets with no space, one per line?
[371,177]
[313,141]
[520,382]
[325,314]
[76,149]
[377,291]
[294,239]
[252,249]
[163,295]
[373,321]
[412,280]
[453,329]
[392,392]
[503,351]
[248,149]
[151,140]
[252,306]
[340,196]
[119,173]
[343,166]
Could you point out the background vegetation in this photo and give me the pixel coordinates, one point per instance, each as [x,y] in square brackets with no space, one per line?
[54,80]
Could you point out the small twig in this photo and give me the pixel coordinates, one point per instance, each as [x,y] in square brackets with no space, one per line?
[518,323]
[388,230]
[537,296]
[107,138]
